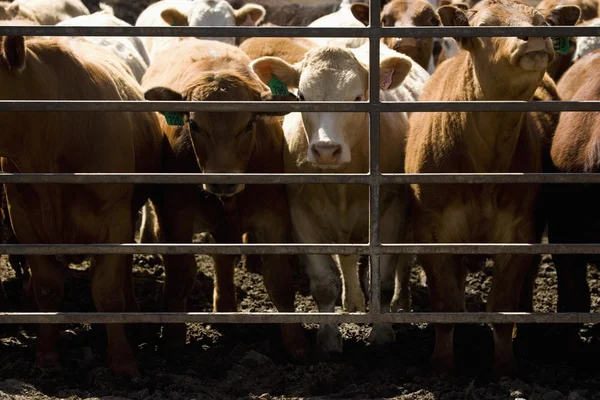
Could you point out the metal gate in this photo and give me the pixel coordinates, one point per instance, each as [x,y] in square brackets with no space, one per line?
[374,179]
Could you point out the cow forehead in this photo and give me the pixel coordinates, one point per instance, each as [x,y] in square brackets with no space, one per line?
[211,13]
[401,8]
[507,14]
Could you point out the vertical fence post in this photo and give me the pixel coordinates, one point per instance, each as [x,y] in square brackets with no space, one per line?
[374,170]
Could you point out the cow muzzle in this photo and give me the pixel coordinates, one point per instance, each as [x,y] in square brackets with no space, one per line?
[223,190]
[537,53]
[328,154]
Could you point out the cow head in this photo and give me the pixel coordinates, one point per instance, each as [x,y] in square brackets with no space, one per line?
[410,13]
[215,13]
[508,59]
[332,74]
[222,141]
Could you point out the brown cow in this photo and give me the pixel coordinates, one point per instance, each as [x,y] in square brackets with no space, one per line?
[573,216]
[42,68]
[222,142]
[578,74]
[291,50]
[458,142]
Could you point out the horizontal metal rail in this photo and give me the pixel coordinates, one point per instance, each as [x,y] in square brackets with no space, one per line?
[308,318]
[301,31]
[294,106]
[318,178]
[277,248]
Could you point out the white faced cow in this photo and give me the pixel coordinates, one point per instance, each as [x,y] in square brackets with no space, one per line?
[339,142]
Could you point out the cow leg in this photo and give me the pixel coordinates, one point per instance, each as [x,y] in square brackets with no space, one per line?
[507,281]
[177,212]
[47,279]
[325,288]
[393,229]
[446,282]
[573,290]
[224,289]
[111,295]
[353,299]
[402,300]
[277,276]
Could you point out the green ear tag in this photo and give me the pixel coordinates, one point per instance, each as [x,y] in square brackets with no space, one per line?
[277,87]
[561,45]
[174,118]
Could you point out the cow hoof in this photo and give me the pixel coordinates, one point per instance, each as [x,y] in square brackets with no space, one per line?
[382,334]
[47,360]
[329,339]
[401,304]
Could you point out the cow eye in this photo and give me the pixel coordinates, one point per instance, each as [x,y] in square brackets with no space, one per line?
[194,126]
[250,126]
[386,21]
[360,97]
[300,96]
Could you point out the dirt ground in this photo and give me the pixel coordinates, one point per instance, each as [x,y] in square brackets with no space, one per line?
[248,362]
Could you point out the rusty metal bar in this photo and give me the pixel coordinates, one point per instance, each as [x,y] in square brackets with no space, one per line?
[289,31]
[308,318]
[305,248]
[328,178]
[294,106]
[374,159]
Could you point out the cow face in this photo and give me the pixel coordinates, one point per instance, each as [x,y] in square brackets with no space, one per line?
[332,74]
[215,13]
[410,13]
[222,141]
[513,56]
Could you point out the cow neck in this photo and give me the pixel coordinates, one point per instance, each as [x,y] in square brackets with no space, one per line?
[493,135]
[232,219]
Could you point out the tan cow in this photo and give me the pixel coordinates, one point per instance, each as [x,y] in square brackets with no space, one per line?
[339,142]
[44,12]
[224,142]
[574,216]
[481,142]
[398,13]
[291,50]
[43,68]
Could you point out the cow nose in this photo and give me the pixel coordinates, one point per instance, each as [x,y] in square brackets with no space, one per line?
[534,44]
[222,190]
[326,153]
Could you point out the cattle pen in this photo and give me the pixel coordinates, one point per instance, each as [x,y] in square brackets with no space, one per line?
[374,179]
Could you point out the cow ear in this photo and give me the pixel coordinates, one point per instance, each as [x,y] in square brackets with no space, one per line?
[452,15]
[174,17]
[462,6]
[361,12]
[13,52]
[13,10]
[161,93]
[268,67]
[393,71]
[249,15]
[564,15]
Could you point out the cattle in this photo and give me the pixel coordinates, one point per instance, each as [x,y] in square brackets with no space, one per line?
[130,50]
[339,142]
[44,12]
[45,68]
[293,12]
[220,142]
[344,17]
[291,50]
[195,13]
[573,212]
[587,44]
[481,142]
[589,8]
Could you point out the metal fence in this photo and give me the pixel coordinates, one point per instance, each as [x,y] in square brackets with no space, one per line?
[374,178]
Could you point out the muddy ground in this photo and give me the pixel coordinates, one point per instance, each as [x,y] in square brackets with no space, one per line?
[248,362]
